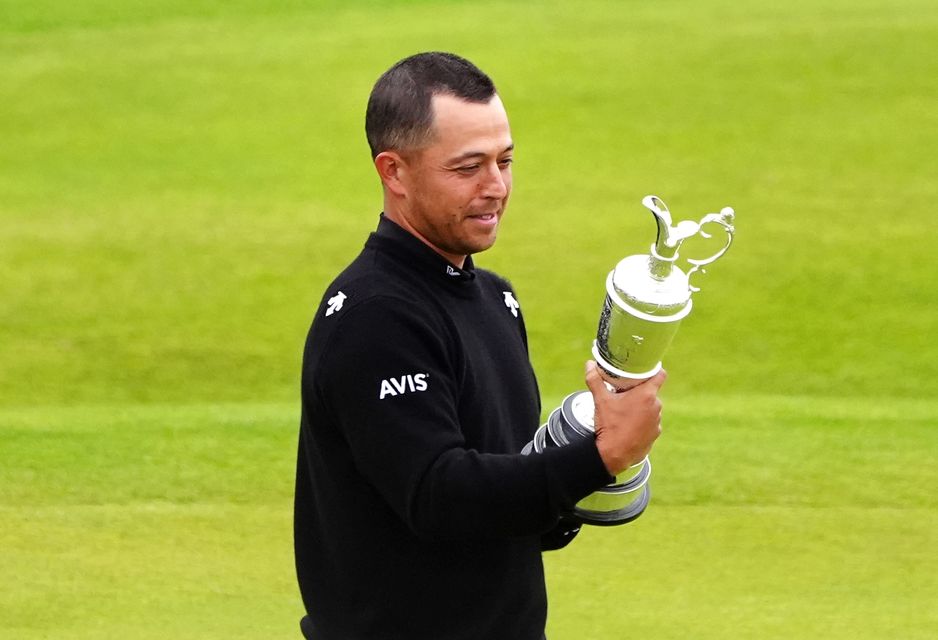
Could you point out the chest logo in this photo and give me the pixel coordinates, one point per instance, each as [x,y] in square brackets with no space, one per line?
[511,303]
[335,303]
[410,383]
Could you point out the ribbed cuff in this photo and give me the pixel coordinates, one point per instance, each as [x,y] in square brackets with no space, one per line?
[575,471]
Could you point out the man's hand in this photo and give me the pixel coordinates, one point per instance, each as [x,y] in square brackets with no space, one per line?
[627,423]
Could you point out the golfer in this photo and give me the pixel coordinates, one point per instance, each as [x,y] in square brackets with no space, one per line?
[415,515]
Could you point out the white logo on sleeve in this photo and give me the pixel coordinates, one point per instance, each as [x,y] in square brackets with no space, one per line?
[511,303]
[410,383]
[335,303]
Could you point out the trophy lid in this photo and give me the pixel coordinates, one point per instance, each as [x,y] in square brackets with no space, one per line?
[634,280]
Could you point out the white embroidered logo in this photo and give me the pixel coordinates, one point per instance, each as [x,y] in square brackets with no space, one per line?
[451,272]
[335,303]
[405,384]
[511,303]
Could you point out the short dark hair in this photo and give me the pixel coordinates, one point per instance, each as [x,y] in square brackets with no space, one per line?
[400,115]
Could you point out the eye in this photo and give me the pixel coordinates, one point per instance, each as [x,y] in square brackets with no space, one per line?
[504,163]
[468,169]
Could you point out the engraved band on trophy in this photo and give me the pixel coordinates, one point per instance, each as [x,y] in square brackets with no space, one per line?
[647,297]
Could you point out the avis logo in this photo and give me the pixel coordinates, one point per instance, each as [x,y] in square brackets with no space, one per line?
[405,384]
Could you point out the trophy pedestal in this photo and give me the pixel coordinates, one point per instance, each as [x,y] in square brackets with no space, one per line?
[617,503]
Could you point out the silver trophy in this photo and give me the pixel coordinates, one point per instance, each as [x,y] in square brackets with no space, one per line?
[647,297]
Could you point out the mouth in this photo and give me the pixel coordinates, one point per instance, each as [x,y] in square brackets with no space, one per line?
[485,218]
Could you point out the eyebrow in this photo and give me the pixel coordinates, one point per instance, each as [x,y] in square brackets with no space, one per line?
[477,154]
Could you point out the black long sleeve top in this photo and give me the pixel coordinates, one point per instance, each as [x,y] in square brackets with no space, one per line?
[415,515]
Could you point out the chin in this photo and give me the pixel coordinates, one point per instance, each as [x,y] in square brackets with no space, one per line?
[482,246]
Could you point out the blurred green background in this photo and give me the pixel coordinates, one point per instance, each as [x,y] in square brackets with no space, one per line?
[180,180]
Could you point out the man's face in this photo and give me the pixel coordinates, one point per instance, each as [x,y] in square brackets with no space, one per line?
[458,185]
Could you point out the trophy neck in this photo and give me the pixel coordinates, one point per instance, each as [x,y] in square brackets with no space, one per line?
[668,241]
[662,259]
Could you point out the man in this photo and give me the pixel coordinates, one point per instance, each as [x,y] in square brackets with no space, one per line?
[416,517]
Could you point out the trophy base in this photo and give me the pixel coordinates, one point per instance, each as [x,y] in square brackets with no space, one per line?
[615,518]
[618,503]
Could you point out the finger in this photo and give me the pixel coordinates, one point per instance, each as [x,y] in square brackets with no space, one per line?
[593,378]
[658,379]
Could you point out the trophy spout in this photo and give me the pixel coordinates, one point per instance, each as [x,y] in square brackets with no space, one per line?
[662,218]
[670,236]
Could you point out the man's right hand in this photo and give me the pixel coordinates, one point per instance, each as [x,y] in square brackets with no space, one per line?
[627,423]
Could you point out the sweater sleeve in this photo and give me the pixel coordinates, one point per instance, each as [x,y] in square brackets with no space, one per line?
[389,378]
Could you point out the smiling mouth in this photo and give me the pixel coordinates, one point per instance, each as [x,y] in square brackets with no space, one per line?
[488,220]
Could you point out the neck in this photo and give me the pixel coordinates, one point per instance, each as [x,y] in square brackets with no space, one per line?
[402,221]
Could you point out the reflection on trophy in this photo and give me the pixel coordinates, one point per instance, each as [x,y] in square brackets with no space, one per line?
[647,297]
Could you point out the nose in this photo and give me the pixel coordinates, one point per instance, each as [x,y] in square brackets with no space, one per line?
[495,182]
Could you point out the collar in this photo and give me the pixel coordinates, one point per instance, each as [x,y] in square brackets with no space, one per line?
[391,237]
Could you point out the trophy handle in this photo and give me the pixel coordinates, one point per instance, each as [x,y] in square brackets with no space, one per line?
[725,220]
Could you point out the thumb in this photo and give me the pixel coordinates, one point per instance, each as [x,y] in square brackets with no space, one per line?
[593,379]
[658,379]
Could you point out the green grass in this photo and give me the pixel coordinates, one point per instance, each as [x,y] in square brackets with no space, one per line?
[771,517]
[180,180]
[155,522]
[177,186]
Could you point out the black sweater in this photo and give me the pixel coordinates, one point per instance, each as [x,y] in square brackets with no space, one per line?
[415,515]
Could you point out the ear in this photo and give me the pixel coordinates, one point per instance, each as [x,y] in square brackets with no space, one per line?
[392,169]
